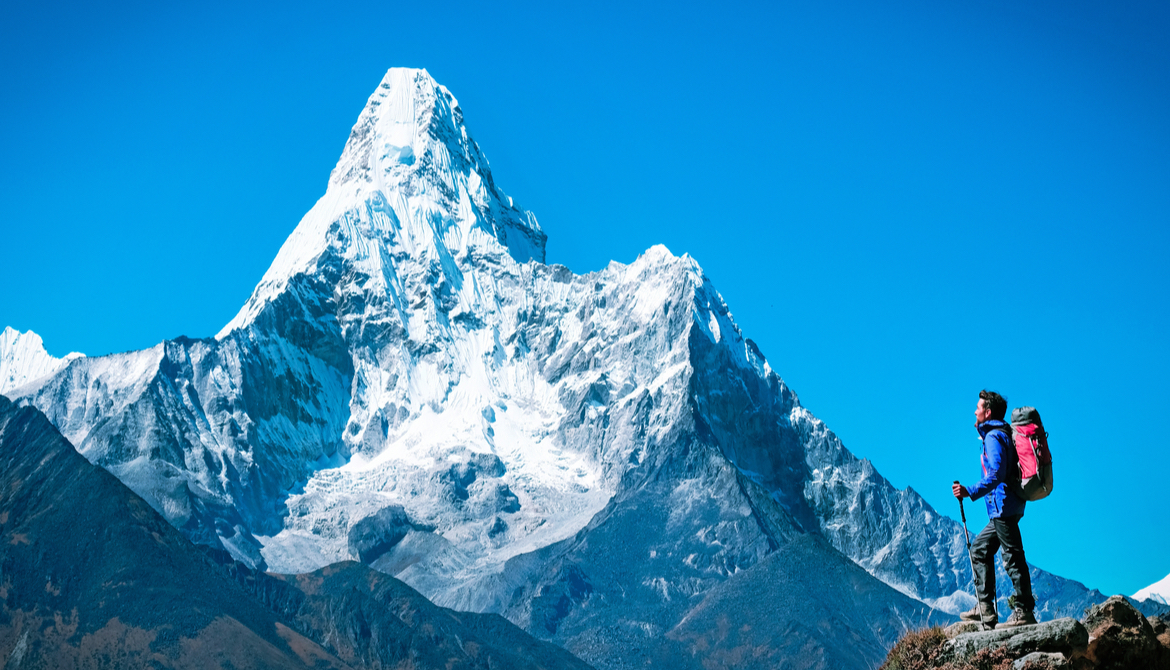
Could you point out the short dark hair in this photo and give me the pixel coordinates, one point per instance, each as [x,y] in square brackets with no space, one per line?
[995,403]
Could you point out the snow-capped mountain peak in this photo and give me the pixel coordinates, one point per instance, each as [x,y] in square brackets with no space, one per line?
[1158,592]
[410,184]
[23,359]
[405,113]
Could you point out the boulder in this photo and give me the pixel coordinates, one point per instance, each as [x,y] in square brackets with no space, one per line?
[378,533]
[1117,609]
[1121,638]
[956,629]
[1065,636]
[1040,660]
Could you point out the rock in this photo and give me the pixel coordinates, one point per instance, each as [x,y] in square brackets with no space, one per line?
[956,629]
[1117,609]
[1065,636]
[376,534]
[1120,637]
[1039,660]
[1161,630]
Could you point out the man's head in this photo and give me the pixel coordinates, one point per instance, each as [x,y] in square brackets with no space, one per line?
[991,406]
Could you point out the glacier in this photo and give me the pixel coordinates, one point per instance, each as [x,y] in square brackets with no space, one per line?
[412,385]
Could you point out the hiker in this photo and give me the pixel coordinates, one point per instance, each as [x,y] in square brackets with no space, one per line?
[1004,509]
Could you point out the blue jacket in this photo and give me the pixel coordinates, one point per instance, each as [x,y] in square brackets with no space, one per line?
[1000,466]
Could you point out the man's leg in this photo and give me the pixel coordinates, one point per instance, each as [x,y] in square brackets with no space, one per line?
[1014,563]
[983,554]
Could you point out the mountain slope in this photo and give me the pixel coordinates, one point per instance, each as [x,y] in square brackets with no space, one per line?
[89,574]
[89,571]
[819,607]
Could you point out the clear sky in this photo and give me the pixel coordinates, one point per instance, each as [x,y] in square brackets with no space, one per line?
[902,203]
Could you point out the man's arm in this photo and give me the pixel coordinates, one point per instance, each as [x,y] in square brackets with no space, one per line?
[996,466]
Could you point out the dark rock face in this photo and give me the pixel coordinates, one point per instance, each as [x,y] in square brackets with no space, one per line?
[88,571]
[373,620]
[1161,630]
[1120,637]
[375,535]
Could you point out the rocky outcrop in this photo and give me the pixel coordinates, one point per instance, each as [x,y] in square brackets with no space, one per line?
[1113,635]
[1120,637]
[1062,636]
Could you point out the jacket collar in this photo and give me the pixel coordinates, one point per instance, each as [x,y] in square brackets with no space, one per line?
[989,425]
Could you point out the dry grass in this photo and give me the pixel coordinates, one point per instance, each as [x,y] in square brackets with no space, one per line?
[916,650]
[919,649]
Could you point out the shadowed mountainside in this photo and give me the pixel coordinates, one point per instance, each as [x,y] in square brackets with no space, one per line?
[90,575]
[808,607]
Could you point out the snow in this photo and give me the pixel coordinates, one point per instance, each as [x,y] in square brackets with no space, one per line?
[399,182]
[23,359]
[1158,592]
[483,396]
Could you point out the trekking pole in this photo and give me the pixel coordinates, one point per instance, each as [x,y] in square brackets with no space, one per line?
[974,582]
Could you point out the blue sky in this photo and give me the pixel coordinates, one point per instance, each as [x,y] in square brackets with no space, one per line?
[902,203]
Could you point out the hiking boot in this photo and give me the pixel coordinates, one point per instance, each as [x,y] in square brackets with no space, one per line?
[989,616]
[1019,617]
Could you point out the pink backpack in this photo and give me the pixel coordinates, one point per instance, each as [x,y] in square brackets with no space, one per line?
[1032,450]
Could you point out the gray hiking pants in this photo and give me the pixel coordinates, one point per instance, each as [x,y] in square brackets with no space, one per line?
[1002,534]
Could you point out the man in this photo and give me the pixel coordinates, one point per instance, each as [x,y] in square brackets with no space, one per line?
[1004,509]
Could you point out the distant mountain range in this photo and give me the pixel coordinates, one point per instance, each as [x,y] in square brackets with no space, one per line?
[603,459]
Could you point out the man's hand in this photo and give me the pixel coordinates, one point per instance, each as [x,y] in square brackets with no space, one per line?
[959,490]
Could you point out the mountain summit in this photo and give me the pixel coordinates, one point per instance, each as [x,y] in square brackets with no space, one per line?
[604,458]
[410,181]
[23,359]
